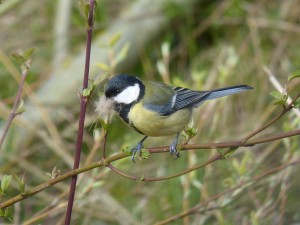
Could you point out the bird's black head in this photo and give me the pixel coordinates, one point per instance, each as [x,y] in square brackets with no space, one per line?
[124,89]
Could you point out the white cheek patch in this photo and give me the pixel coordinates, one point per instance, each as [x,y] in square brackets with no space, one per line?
[128,95]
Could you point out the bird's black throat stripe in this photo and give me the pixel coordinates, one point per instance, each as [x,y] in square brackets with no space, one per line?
[123,111]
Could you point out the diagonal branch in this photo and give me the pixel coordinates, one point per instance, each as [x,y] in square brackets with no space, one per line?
[119,156]
[14,112]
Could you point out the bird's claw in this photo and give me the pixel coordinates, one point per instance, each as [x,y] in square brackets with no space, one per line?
[173,147]
[136,150]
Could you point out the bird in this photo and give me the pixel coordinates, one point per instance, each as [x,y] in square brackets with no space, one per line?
[156,109]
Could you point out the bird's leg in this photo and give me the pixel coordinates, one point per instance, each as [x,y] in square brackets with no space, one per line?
[173,145]
[137,149]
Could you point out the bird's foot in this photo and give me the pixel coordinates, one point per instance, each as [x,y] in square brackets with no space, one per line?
[173,147]
[136,151]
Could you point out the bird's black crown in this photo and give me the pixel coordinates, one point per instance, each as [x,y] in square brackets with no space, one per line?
[119,82]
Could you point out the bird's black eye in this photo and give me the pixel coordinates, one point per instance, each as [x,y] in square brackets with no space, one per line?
[118,91]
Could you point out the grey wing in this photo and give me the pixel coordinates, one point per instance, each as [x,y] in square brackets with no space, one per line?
[181,98]
[185,97]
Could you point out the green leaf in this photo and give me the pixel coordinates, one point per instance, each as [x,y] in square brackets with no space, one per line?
[165,49]
[22,186]
[294,74]
[230,150]
[103,66]
[122,54]
[297,104]
[18,57]
[27,54]
[97,184]
[85,8]
[2,213]
[145,153]
[228,153]
[21,108]
[21,183]
[114,39]
[126,149]
[89,90]
[5,183]
[280,98]
[278,102]
[103,123]
[86,92]
[190,132]
[23,56]
[276,94]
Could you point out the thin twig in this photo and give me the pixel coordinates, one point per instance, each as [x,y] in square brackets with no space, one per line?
[244,142]
[83,104]
[119,156]
[217,196]
[275,119]
[14,112]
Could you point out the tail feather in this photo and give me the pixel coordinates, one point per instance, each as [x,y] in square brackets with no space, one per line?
[222,92]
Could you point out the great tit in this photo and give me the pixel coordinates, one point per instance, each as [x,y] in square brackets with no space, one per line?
[156,109]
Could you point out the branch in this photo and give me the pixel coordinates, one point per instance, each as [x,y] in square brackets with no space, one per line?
[83,104]
[108,160]
[243,143]
[14,112]
[254,180]
[119,156]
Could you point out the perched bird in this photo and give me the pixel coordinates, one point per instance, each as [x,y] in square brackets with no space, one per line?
[156,109]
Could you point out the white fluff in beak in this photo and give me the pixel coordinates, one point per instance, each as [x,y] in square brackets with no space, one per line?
[104,107]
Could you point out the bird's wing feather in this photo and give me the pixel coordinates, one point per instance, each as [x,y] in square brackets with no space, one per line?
[158,98]
[166,100]
[186,97]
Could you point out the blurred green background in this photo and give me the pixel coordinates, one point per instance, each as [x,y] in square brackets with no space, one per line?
[198,44]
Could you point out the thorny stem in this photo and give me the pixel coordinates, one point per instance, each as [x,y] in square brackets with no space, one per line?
[14,112]
[83,104]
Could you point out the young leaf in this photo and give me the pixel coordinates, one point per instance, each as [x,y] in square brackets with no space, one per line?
[86,92]
[8,214]
[280,98]
[18,57]
[297,104]
[103,66]
[114,39]
[5,182]
[21,183]
[145,153]
[294,74]
[276,94]
[126,149]
[21,108]
[85,8]
[28,53]
[122,54]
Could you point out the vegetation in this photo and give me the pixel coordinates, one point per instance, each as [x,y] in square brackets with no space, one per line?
[240,166]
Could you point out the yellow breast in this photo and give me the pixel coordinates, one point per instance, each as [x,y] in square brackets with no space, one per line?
[152,124]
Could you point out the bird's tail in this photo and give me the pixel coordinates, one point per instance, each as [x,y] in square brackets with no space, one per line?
[222,92]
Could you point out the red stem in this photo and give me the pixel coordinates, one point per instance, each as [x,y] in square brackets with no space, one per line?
[83,104]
